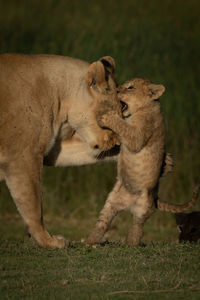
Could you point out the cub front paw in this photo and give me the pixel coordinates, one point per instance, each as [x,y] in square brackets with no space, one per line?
[107,118]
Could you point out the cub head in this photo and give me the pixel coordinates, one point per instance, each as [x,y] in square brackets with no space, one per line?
[99,87]
[137,93]
[188,226]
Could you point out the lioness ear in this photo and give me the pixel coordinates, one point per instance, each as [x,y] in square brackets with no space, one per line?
[96,74]
[156,90]
[109,63]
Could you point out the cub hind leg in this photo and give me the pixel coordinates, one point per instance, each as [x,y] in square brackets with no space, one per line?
[23,178]
[142,208]
[118,199]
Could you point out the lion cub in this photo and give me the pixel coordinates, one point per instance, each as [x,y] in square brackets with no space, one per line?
[188,226]
[141,159]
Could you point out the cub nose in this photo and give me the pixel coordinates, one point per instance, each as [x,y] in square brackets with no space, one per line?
[94,146]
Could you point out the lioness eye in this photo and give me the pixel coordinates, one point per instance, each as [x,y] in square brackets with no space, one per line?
[124,105]
[131,87]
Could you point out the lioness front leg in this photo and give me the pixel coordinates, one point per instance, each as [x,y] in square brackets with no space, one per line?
[115,202]
[23,179]
[142,209]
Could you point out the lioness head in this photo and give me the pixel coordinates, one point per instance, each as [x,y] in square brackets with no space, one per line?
[99,87]
[136,93]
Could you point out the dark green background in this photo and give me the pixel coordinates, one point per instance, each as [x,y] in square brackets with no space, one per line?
[159,40]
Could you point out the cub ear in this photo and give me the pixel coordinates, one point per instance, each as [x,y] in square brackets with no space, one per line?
[180,218]
[156,90]
[96,74]
[109,63]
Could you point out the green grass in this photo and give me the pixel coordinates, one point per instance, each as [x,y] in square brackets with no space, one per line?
[159,40]
[158,271]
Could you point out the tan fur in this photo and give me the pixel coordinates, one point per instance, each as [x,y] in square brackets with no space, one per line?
[163,206]
[140,163]
[43,99]
[74,152]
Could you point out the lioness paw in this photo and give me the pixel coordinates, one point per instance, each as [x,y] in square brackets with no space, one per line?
[59,241]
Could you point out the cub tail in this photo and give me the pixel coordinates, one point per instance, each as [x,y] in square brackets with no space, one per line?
[178,208]
[168,164]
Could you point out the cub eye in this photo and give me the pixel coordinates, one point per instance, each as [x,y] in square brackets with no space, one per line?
[131,87]
[124,105]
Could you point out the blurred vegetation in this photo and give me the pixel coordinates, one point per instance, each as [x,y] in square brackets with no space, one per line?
[153,39]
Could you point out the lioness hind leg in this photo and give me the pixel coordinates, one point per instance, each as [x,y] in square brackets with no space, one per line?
[115,202]
[24,182]
[142,209]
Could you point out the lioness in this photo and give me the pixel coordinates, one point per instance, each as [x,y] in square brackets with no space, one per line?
[42,99]
[140,160]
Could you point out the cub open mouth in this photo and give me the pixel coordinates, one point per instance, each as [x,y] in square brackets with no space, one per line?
[124,105]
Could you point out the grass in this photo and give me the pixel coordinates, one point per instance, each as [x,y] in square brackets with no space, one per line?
[160,41]
[110,272]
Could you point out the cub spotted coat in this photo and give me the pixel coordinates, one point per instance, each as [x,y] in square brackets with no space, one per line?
[140,162]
